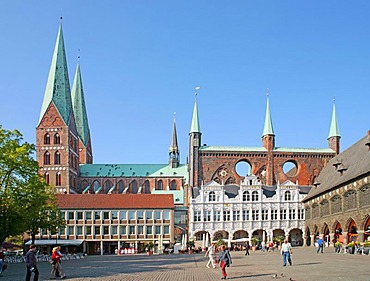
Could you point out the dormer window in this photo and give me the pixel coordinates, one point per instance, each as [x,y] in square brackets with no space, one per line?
[246,196]
[255,196]
[287,196]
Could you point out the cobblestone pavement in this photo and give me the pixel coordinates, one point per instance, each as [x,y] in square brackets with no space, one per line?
[307,265]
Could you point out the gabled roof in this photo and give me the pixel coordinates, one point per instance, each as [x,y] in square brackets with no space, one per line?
[79,108]
[115,201]
[212,183]
[352,163]
[57,87]
[132,170]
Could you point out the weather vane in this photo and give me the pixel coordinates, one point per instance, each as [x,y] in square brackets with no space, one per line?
[196,89]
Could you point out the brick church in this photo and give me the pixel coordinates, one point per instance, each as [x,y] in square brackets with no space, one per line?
[65,155]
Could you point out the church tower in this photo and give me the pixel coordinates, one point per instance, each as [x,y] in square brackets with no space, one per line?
[82,124]
[194,145]
[334,135]
[268,142]
[174,148]
[56,133]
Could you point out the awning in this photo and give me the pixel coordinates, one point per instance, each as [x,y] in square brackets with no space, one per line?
[63,242]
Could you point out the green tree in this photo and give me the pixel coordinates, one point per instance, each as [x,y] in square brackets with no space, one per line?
[26,201]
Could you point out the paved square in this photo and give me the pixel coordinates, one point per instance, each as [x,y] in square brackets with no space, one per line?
[307,265]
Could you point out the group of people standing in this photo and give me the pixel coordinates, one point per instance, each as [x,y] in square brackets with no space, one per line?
[223,258]
[31,264]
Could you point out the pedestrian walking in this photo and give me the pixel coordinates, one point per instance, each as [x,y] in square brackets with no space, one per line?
[211,254]
[224,259]
[56,266]
[31,264]
[247,248]
[320,244]
[286,251]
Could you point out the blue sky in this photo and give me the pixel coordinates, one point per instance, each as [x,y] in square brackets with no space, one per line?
[141,60]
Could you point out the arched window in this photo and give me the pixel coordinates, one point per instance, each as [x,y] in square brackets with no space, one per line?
[121,186]
[173,185]
[47,178]
[56,139]
[324,207]
[146,187]
[255,196]
[57,158]
[133,187]
[315,210]
[246,196]
[336,204]
[47,139]
[160,185]
[58,179]
[287,196]
[47,158]
[107,186]
[365,196]
[350,200]
[212,196]
[96,185]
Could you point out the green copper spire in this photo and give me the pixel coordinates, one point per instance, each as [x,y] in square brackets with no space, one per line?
[268,129]
[334,129]
[195,127]
[79,107]
[58,89]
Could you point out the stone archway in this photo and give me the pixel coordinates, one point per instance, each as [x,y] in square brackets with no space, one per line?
[352,231]
[367,229]
[295,237]
[338,232]
[326,234]
[221,234]
[308,237]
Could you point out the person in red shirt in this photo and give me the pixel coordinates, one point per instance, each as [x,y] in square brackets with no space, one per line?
[56,263]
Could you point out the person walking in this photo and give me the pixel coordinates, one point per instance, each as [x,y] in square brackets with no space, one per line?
[320,242]
[247,248]
[224,259]
[31,264]
[211,254]
[57,267]
[286,251]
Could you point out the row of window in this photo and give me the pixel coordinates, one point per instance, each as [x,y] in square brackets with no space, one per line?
[113,230]
[114,215]
[337,204]
[132,187]
[58,178]
[248,215]
[249,196]
[47,138]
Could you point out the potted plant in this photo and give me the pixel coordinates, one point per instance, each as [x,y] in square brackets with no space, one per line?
[254,242]
[279,240]
[366,247]
[338,246]
[351,247]
[149,248]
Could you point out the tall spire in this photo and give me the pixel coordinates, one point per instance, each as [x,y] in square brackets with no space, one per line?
[195,127]
[268,129]
[58,88]
[79,107]
[174,148]
[334,129]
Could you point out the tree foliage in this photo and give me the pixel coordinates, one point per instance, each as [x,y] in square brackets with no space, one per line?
[27,202]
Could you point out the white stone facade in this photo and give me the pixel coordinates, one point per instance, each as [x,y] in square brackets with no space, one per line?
[240,212]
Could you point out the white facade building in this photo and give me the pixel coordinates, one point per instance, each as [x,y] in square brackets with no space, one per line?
[237,213]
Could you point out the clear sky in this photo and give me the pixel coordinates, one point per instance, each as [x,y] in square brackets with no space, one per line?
[141,60]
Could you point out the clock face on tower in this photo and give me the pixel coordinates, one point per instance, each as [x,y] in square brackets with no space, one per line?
[222,173]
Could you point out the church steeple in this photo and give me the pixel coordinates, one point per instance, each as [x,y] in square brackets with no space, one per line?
[194,145]
[80,114]
[268,128]
[174,148]
[58,88]
[334,135]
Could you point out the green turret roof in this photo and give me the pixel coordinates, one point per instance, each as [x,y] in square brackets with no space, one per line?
[195,127]
[79,107]
[334,129]
[58,89]
[268,129]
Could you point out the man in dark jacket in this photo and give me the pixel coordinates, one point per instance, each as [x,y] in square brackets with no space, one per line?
[31,263]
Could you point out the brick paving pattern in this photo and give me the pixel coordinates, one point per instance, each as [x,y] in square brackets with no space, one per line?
[307,266]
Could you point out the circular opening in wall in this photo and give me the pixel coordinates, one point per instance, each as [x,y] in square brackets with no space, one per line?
[290,168]
[243,168]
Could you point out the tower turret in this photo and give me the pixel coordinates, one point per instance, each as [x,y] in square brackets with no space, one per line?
[334,135]
[194,145]
[174,148]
